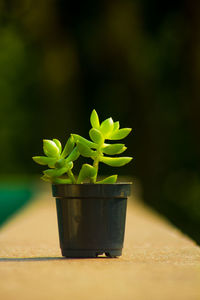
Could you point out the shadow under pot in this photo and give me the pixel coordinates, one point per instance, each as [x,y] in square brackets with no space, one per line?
[91,218]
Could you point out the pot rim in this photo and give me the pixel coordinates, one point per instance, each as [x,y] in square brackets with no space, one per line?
[87,183]
[91,190]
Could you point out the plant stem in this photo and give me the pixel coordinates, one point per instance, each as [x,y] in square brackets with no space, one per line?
[96,162]
[96,166]
[71,176]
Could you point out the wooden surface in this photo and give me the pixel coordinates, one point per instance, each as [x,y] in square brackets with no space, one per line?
[158,262]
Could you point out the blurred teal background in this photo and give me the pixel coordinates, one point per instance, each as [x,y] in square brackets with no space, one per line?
[13,196]
[137,61]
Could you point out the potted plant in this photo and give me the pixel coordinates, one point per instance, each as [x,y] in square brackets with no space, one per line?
[91,212]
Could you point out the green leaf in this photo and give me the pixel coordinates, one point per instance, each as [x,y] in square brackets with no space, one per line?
[106,127]
[110,179]
[115,161]
[116,126]
[94,119]
[60,163]
[120,134]
[87,172]
[58,144]
[96,136]
[85,150]
[50,148]
[46,178]
[61,181]
[73,155]
[84,141]
[68,147]
[57,172]
[51,165]
[43,160]
[114,149]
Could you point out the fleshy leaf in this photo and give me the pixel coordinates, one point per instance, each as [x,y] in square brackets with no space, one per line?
[96,136]
[115,161]
[107,180]
[50,148]
[73,155]
[84,141]
[116,126]
[58,144]
[60,163]
[120,134]
[57,172]
[87,172]
[85,150]
[106,127]
[114,149]
[51,164]
[62,181]
[43,160]
[94,119]
[68,147]
[46,178]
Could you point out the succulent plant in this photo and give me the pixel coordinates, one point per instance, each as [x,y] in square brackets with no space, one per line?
[60,162]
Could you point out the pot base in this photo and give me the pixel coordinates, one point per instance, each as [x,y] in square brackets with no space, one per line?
[91,253]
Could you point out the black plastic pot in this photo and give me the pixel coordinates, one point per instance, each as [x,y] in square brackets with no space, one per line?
[91,218]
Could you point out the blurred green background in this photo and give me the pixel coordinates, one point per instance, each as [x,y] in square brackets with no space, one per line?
[137,61]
